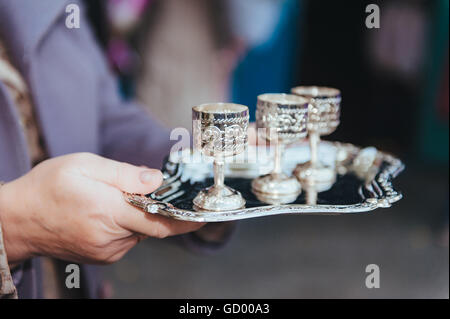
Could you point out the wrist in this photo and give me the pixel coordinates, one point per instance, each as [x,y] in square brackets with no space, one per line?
[13,231]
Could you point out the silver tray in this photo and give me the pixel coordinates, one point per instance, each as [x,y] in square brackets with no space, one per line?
[363,183]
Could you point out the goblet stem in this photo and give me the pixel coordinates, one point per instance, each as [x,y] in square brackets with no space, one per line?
[218,172]
[311,194]
[279,149]
[314,140]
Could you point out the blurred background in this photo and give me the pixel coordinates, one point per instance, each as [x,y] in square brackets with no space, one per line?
[173,54]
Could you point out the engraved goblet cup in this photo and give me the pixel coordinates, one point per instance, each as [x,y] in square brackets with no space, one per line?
[220,130]
[323,119]
[280,119]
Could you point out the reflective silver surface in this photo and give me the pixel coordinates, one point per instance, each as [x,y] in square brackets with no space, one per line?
[323,119]
[280,119]
[220,131]
[325,107]
[364,183]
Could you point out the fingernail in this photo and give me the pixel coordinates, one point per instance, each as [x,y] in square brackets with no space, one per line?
[147,177]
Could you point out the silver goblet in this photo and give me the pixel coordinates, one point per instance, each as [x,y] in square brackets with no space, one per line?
[280,119]
[220,130]
[323,119]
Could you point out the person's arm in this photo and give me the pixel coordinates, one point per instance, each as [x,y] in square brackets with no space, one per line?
[128,132]
[72,208]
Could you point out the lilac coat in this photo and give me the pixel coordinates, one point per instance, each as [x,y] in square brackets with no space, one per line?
[76,101]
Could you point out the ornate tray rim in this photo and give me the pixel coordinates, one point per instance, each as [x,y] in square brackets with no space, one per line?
[382,192]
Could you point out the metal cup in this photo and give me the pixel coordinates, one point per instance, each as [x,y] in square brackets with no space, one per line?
[323,119]
[220,130]
[281,119]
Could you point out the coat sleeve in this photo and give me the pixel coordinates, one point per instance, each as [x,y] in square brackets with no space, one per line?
[128,132]
[7,288]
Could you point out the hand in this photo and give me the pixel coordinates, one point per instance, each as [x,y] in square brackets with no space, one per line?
[72,207]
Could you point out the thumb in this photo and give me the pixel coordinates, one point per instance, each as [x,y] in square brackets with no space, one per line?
[126,177]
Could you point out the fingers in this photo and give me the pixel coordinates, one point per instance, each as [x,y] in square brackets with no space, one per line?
[157,225]
[153,225]
[131,179]
[140,237]
[125,177]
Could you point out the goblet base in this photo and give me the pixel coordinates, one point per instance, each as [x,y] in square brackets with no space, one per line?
[320,177]
[220,198]
[276,188]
